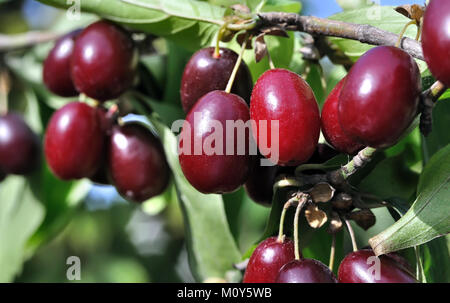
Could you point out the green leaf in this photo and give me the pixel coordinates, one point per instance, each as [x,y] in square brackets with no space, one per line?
[437,257]
[390,179]
[429,216]
[211,247]
[190,23]
[353,4]
[20,216]
[60,199]
[440,136]
[383,17]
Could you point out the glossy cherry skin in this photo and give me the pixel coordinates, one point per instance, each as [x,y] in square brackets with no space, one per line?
[104,61]
[137,164]
[331,128]
[204,73]
[215,170]
[305,271]
[57,74]
[380,96]
[259,185]
[74,141]
[436,39]
[267,259]
[281,95]
[355,268]
[20,148]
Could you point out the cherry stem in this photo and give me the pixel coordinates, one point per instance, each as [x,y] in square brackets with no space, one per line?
[5,87]
[332,251]
[286,206]
[419,29]
[269,57]
[402,33]
[220,33]
[236,66]
[352,234]
[303,198]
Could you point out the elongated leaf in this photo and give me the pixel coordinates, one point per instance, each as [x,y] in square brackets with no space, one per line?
[20,216]
[429,216]
[212,249]
[440,136]
[187,22]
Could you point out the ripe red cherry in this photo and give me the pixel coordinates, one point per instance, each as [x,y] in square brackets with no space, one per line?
[267,259]
[137,163]
[357,268]
[305,271]
[259,185]
[19,146]
[57,66]
[205,161]
[281,95]
[104,61]
[331,128]
[204,73]
[436,39]
[380,96]
[74,141]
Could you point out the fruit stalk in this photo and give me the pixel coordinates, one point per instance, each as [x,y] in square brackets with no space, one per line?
[352,235]
[286,206]
[4,90]
[302,199]
[236,66]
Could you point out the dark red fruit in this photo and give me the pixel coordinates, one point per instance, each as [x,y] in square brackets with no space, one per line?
[74,141]
[204,73]
[357,268]
[281,95]
[214,170]
[259,185]
[104,61]
[137,163]
[331,128]
[57,66]
[267,259]
[305,271]
[436,39]
[19,146]
[380,96]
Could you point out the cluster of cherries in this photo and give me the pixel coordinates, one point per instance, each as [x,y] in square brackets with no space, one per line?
[372,106]
[273,261]
[84,141]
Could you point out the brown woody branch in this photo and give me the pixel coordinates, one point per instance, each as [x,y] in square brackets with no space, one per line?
[325,27]
[18,41]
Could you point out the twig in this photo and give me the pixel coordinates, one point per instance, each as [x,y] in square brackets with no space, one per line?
[427,103]
[12,42]
[324,27]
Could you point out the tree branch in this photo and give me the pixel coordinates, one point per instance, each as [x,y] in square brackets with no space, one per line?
[12,42]
[325,27]
[427,103]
